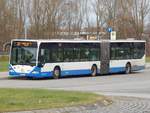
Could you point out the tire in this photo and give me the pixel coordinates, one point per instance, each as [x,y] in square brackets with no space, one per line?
[56,73]
[128,68]
[94,70]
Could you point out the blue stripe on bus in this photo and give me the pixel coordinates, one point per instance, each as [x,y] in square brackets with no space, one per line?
[39,75]
[137,68]
[70,72]
[75,72]
[116,69]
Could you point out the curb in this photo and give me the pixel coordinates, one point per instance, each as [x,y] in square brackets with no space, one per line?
[129,95]
[147,65]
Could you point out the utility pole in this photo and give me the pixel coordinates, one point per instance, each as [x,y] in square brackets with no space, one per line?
[69,3]
[25,20]
[97,20]
[115,11]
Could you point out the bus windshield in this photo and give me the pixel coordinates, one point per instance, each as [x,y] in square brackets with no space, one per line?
[23,53]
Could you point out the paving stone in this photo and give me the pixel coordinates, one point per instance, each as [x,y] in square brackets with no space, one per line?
[120,105]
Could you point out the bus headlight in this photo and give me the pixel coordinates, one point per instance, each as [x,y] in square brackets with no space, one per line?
[11,70]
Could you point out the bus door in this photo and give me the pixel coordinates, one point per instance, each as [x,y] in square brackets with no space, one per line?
[105,57]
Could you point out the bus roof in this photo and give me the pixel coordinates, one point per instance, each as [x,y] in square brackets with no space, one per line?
[77,41]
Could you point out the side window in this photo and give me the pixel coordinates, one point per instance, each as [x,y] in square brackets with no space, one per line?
[84,53]
[113,53]
[44,56]
[68,54]
[121,51]
[56,55]
[76,55]
[127,53]
[94,54]
[60,55]
[53,55]
[50,52]
[139,50]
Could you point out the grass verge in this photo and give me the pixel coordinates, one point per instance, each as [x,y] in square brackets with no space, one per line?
[4,63]
[3,66]
[29,99]
[148,59]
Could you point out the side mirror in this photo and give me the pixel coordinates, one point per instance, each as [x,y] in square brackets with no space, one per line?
[40,65]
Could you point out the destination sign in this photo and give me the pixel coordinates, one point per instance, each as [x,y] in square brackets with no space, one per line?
[24,44]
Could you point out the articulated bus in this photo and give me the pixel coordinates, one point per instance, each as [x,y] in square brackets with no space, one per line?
[60,58]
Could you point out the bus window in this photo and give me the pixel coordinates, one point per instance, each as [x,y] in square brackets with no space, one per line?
[76,55]
[113,53]
[139,50]
[94,54]
[50,52]
[121,51]
[84,54]
[56,55]
[68,54]
[44,56]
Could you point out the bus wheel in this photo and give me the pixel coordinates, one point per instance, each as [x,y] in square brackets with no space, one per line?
[94,70]
[128,68]
[56,73]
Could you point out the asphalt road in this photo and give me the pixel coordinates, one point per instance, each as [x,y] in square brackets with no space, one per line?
[135,84]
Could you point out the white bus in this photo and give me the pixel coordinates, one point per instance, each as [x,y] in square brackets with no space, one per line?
[60,58]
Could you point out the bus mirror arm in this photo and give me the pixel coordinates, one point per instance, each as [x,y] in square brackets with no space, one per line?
[40,65]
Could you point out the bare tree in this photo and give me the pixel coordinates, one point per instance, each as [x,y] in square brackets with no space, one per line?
[101,15]
[131,17]
[140,9]
[8,20]
[49,18]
